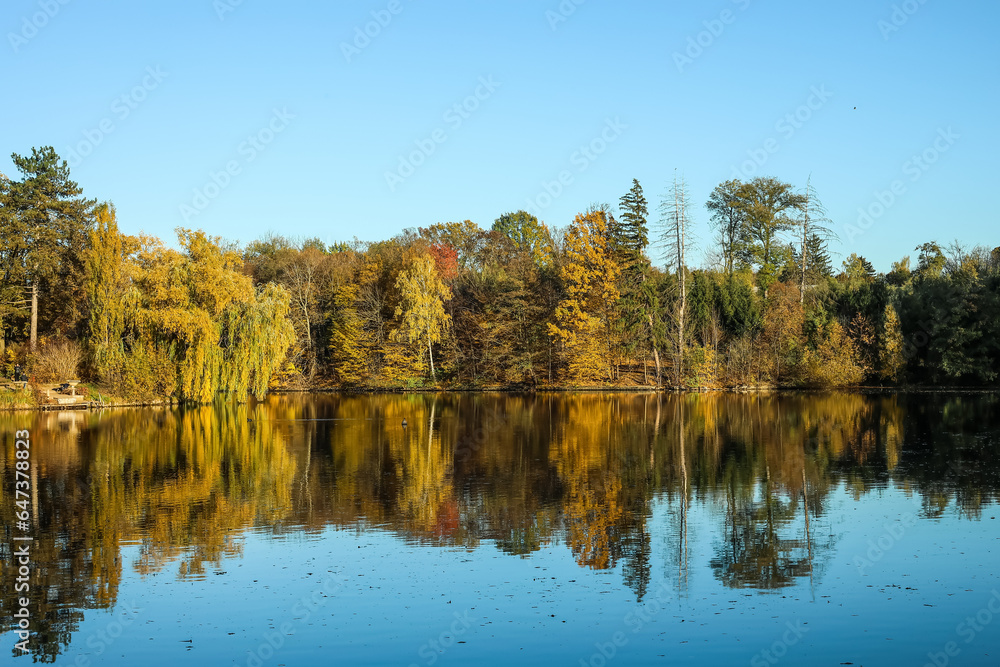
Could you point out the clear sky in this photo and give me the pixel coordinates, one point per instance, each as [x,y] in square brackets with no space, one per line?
[245,116]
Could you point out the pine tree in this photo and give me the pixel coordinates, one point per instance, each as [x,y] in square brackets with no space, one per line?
[634,211]
[45,224]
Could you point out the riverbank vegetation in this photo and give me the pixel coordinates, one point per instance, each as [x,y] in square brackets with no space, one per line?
[610,300]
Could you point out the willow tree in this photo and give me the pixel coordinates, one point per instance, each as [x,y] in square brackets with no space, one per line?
[255,335]
[422,297]
[200,311]
[107,285]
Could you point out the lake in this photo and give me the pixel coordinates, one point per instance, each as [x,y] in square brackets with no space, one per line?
[550,529]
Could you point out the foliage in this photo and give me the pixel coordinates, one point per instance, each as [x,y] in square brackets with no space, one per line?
[422,305]
[582,323]
[454,305]
[56,361]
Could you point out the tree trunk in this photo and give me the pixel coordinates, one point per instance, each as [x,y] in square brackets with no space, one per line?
[656,353]
[681,230]
[805,250]
[430,354]
[34,315]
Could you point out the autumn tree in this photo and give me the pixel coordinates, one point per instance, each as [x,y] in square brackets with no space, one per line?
[582,320]
[782,334]
[422,297]
[527,234]
[111,300]
[892,357]
[465,238]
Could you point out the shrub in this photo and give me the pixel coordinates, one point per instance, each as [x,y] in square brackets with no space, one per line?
[56,360]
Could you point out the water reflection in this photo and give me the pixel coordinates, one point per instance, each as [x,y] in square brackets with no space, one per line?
[520,472]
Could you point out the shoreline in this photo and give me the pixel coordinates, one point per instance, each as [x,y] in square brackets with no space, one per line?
[375,391]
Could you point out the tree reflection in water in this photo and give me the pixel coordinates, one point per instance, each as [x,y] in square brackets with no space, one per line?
[521,472]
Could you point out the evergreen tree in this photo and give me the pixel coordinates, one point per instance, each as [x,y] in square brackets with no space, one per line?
[634,211]
[45,223]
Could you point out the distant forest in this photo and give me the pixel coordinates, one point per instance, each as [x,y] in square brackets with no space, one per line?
[515,304]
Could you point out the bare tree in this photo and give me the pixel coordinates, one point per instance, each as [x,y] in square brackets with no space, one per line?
[676,238]
[815,228]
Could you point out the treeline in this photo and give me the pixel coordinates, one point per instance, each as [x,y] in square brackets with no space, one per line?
[514,304]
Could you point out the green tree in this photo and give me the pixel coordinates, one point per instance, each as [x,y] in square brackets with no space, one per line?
[769,206]
[45,223]
[931,260]
[729,219]
[634,211]
[528,235]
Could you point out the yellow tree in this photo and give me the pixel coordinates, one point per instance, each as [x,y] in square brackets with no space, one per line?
[782,334]
[422,297]
[891,353]
[108,278]
[590,281]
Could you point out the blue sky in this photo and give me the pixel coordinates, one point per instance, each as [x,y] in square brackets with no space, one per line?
[247,117]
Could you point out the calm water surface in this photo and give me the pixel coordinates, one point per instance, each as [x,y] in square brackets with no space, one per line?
[495,529]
